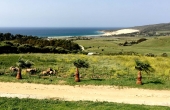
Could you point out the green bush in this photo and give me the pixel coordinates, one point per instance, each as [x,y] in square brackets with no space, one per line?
[81,63]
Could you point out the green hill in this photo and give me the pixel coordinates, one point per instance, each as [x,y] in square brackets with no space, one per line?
[110,45]
[154,27]
[156,42]
[162,29]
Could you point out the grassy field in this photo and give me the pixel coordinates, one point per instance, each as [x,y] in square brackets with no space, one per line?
[34,104]
[155,45]
[104,70]
[163,31]
[117,70]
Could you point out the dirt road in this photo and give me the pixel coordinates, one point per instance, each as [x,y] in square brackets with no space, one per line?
[90,93]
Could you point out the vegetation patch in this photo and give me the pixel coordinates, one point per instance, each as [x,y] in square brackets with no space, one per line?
[102,70]
[46,104]
[28,44]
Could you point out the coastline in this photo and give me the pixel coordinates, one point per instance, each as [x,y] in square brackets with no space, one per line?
[52,33]
[103,33]
[56,31]
[56,37]
[119,32]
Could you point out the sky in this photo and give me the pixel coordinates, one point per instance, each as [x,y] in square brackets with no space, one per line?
[83,13]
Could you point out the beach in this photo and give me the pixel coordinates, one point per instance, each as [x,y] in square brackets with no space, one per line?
[119,32]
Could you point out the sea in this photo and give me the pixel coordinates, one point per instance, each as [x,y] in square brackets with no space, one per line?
[56,31]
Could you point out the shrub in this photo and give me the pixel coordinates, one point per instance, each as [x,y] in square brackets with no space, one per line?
[81,63]
[164,55]
[24,64]
[141,40]
[142,66]
[150,55]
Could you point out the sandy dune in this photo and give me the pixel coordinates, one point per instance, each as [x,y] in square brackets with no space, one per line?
[91,93]
[121,31]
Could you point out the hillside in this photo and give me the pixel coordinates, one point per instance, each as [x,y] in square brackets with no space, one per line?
[154,27]
[162,29]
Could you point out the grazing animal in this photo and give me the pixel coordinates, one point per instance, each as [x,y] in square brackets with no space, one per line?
[13,69]
[44,73]
[31,70]
[49,72]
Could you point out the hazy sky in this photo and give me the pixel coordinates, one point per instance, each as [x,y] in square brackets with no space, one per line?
[83,13]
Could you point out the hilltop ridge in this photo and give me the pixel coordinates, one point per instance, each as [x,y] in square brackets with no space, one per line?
[162,29]
[153,27]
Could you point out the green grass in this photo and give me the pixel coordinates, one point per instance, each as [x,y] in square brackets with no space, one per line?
[50,104]
[104,70]
[107,45]
[148,83]
[163,31]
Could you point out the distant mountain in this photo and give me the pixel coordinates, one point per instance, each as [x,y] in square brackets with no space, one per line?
[153,27]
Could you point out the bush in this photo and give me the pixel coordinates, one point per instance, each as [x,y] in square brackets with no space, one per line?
[81,63]
[24,64]
[142,66]
[164,55]
[141,40]
[150,55]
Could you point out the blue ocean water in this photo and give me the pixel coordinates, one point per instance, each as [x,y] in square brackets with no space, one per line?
[54,32]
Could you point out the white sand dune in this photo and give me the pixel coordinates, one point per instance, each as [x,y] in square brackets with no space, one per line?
[121,31]
[89,93]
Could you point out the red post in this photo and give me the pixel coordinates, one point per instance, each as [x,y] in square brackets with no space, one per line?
[77,77]
[19,74]
[139,78]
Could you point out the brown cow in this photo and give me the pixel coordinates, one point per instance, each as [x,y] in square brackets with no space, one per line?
[13,69]
[31,70]
[44,73]
[49,72]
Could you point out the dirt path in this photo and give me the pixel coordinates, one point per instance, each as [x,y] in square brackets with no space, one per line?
[91,93]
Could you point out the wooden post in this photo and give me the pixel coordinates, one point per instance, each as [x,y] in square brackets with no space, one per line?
[139,78]
[19,74]
[77,77]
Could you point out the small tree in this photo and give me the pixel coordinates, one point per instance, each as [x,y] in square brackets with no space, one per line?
[79,64]
[141,66]
[22,64]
